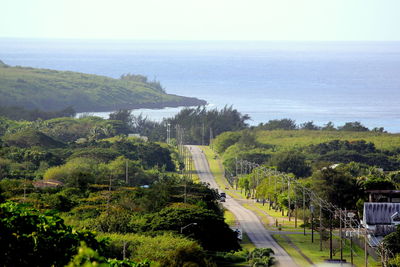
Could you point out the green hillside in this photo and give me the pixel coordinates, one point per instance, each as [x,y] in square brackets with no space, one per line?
[54,90]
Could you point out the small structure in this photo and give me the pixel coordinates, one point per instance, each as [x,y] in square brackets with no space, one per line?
[381,219]
[391,196]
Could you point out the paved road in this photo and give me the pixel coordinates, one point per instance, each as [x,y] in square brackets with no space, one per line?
[249,222]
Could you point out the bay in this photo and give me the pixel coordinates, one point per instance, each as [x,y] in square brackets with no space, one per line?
[319,81]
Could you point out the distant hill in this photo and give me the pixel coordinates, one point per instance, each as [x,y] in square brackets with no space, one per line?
[51,90]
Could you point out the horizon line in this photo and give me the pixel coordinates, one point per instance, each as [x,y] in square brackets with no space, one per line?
[186,40]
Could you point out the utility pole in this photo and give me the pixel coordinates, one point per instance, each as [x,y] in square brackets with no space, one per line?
[211,138]
[202,135]
[185,192]
[289,206]
[295,211]
[350,215]
[320,227]
[312,222]
[330,236]
[304,212]
[168,133]
[340,235]
[366,247]
[126,172]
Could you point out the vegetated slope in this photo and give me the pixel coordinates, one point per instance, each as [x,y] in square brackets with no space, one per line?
[54,90]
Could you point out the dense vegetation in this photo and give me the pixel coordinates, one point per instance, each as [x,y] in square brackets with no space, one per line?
[74,177]
[52,90]
[85,175]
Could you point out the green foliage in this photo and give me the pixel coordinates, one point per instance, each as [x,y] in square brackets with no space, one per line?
[19,113]
[51,90]
[395,261]
[29,138]
[31,238]
[226,140]
[337,187]
[218,238]
[283,124]
[354,127]
[291,162]
[377,183]
[309,125]
[87,257]
[79,172]
[165,249]
[261,257]
[392,241]
[143,79]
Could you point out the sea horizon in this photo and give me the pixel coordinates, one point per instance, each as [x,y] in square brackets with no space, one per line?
[318,81]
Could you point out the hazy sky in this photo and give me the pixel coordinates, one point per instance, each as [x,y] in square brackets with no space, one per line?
[202,19]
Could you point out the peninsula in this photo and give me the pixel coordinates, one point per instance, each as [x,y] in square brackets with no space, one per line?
[51,90]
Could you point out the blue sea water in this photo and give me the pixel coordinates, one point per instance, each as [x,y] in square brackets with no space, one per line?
[319,81]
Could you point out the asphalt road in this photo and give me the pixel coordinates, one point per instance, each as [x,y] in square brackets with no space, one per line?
[247,220]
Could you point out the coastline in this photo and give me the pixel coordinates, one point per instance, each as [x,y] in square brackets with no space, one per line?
[184,102]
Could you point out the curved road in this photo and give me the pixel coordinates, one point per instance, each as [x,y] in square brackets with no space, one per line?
[249,222]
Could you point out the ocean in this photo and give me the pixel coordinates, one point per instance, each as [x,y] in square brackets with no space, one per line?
[304,81]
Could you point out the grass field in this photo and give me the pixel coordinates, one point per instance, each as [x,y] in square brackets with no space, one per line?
[285,140]
[312,250]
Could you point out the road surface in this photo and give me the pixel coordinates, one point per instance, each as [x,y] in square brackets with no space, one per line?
[249,222]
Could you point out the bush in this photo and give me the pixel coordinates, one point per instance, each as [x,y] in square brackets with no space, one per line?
[166,249]
[31,238]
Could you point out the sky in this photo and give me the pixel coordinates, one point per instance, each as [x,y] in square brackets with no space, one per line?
[301,20]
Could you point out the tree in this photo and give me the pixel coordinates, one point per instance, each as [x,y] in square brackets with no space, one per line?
[309,125]
[225,140]
[337,186]
[124,116]
[329,127]
[392,241]
[248,139]
[283,124]
[31,238]
[78,172]
[291,162]
[219,237]
[354,127]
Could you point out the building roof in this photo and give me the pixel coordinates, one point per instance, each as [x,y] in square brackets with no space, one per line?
[377,213]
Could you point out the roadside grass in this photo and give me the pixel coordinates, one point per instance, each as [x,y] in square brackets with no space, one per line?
[283,221]
[215,166]
[297,257]
[229,218]
[246,242]
[312,250]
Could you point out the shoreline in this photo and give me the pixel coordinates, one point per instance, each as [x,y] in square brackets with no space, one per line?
[186,102]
